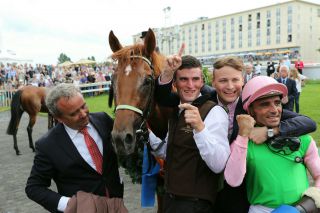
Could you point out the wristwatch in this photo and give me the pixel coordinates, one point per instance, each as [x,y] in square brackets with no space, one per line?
[270,133]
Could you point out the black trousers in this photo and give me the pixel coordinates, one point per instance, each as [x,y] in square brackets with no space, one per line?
[176,204]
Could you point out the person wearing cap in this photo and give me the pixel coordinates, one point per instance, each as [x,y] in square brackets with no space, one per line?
[143,34]
[141,40]
[275,170]
[228,83]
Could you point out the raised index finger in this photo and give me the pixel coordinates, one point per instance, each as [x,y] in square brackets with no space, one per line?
[181,49]
[186,106]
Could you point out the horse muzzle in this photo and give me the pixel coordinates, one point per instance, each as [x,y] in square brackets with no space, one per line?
[124,142]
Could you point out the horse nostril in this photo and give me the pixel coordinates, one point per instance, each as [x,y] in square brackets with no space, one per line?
[128,139]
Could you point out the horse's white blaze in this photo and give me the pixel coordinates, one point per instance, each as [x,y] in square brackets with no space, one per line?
[128,69]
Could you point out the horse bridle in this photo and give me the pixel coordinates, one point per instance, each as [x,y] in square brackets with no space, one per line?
[145,112]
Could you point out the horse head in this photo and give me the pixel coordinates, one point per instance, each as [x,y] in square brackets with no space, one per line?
[133,88]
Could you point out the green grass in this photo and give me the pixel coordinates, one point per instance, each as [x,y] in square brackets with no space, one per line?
[99,103]
[309,105]
[309,81]
[2,109]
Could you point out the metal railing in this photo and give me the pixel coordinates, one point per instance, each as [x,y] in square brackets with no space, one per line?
[95,87]
[86,89]
[5,97]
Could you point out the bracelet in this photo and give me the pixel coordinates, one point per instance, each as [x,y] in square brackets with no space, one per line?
[300,209]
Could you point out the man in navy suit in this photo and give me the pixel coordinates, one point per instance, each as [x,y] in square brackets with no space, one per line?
[288,102]
[62,154]
[249,73]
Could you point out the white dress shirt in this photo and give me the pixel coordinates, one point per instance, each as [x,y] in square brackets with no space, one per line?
[77,139]
[212,141]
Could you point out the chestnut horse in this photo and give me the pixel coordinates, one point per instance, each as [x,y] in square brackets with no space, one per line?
[133,89]
[32,100]
[133,86]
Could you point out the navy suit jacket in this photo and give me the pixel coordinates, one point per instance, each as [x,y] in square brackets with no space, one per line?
[58,159]
[291,86]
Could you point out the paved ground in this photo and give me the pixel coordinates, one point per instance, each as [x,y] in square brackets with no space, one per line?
[14,171]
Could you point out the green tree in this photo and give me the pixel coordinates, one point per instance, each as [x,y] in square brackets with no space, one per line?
[92,58]
[207,76]
[63,58]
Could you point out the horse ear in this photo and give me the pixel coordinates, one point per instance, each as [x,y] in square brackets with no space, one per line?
[114,42]
[149,43]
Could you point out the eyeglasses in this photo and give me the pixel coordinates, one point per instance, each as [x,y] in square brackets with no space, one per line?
[284,145]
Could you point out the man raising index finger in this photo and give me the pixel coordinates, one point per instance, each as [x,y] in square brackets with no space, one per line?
[196,145]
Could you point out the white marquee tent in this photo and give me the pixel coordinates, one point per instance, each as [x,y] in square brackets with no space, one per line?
[7,56]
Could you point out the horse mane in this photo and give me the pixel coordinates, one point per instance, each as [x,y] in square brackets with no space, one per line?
[123,56]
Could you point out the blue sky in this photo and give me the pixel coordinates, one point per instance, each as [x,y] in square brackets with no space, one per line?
[42,29]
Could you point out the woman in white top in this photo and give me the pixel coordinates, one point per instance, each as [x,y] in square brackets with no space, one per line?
[295,75]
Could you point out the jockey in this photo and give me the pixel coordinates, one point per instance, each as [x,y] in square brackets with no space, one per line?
[275,170]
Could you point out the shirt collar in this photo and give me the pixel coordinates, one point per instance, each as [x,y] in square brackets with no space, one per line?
[73,132]
[180,110]
[228,106]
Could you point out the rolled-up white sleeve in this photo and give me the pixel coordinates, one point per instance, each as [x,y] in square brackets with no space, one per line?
[159,146]
[212,141]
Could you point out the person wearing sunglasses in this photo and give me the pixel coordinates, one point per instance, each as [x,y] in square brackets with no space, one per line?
[276,170]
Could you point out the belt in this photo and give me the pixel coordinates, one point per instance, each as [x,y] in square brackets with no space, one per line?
[178,197]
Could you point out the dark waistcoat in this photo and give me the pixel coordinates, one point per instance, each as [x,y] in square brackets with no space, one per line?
[186,173]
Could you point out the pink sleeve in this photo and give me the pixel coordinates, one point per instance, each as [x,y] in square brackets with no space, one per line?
[312,162]
[236,165]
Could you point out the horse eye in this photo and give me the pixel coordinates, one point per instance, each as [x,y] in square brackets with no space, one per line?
[147,81]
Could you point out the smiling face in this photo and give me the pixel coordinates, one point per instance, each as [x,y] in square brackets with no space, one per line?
[73,112]
[267,111]
[228,83]
[188,83]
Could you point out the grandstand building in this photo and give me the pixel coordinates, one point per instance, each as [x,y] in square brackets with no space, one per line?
[291,28]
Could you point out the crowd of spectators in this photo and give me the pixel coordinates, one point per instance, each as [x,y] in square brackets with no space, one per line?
[13,76]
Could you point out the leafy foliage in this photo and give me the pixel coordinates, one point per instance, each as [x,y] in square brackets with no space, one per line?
[207,76]
[63,58]
[92,58]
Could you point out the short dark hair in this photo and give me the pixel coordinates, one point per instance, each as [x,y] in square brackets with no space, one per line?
[188,62]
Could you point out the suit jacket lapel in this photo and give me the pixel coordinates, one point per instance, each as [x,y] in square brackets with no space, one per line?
[68,147]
